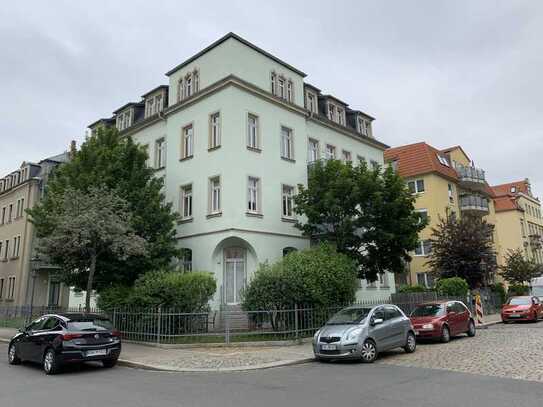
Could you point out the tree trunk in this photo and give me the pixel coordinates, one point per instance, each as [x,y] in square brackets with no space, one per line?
[89,282]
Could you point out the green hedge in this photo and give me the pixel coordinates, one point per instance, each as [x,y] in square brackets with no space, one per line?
[453,287]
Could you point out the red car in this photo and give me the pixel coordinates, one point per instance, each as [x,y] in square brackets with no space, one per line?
[442,320]
[526,308]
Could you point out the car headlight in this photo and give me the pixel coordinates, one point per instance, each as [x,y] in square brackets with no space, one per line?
[428,326]
[353,334]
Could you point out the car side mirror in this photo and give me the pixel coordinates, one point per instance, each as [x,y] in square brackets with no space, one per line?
[376,321]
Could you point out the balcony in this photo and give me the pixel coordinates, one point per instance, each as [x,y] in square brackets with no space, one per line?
[475,204]
[471,178]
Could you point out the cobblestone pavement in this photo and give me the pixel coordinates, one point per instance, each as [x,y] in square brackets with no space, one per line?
[215,358]
[513,351]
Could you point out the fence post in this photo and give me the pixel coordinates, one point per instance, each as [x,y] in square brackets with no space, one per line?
[114,318]
[227,328]
[296,328]
[159,324]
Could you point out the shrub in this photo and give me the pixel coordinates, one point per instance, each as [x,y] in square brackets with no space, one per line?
[317,277]
[186,292]
[518,289]
[412,289]
[453,287]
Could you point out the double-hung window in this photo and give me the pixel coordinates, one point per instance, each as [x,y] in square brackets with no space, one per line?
[424,248]
[214,130]
[347,157]
[253,192]
[290,91]
[311,103]
[6,249]
[252,132]
[330,152]
[281,87]
[186,201]
[11,287]
[312,150]
[215,195]
[16,246]
[416,187]
[287,201]
[287,150]
[187,143]
[160,151]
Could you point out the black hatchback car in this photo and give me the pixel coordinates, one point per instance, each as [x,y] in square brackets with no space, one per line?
[57,339]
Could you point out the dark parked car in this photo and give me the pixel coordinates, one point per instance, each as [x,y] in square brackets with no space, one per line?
[442,320]
[57,339]
[525,308]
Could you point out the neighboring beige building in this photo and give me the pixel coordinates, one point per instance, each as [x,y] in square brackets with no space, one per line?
[445,183]
[21,190]
[519,220]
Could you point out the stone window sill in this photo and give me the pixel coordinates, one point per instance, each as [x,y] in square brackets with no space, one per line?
[288,220]
[186,158]
[290,160]
[185,220]
[255,149]
[254,215]
[214,215]
[213,148]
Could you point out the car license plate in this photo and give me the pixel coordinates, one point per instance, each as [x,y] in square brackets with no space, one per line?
[98,352]
[513,316]
[329,347]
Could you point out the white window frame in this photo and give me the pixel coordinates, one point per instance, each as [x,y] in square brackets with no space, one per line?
[281,86]
[313,154]
[186,201]
[346,156]
[290,90]
[416,183]
[287,143]
[311,101]
[287,201]
[214,130]
[330,152]
[423,211]
[160,153]
[215,192]
[253,195]
[11,288]
[422,248]
[253,137]
[187,141]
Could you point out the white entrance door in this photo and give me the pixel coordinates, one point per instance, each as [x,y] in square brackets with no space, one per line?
[234,274]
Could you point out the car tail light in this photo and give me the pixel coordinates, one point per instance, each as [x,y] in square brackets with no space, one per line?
[115,333]
[69,337]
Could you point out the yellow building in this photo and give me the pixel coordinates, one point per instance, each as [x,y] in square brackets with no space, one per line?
[445,183]
[519,220]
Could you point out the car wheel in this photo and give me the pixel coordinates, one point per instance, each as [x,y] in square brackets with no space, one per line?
[445,334]
[471,329]
[13,359]
[50,362]
[368,351]
[411,343]
[109,363]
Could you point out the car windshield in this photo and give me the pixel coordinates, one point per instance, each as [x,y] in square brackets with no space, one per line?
[519,301]
[94,324]
[349,316]
[428,310]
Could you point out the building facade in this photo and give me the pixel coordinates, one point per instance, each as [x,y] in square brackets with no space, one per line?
[519,220]
[445,184]
[232,134]
[23,282]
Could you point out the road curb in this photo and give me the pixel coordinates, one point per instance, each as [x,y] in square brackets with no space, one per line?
[487,325]
[159,368]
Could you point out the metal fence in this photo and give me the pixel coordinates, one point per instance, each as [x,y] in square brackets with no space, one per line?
[169,326]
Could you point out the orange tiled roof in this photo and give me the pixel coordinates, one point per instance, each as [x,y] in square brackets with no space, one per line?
[417,159]
[505,189]
[506,203]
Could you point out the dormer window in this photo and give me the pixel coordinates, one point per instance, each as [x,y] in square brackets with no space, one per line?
[340,116]
[124,120]
[153,105]
[311,102]
[188,85]
[331,112]
[443,160]
[282,87]
[290,91]
[363,126]
[513,189]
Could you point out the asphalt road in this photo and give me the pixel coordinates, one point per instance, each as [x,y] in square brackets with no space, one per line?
[313,384]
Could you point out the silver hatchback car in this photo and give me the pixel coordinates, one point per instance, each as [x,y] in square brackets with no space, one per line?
[361,332]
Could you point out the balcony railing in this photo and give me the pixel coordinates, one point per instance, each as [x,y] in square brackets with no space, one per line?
[535,240]
[470,174]
[473,203]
